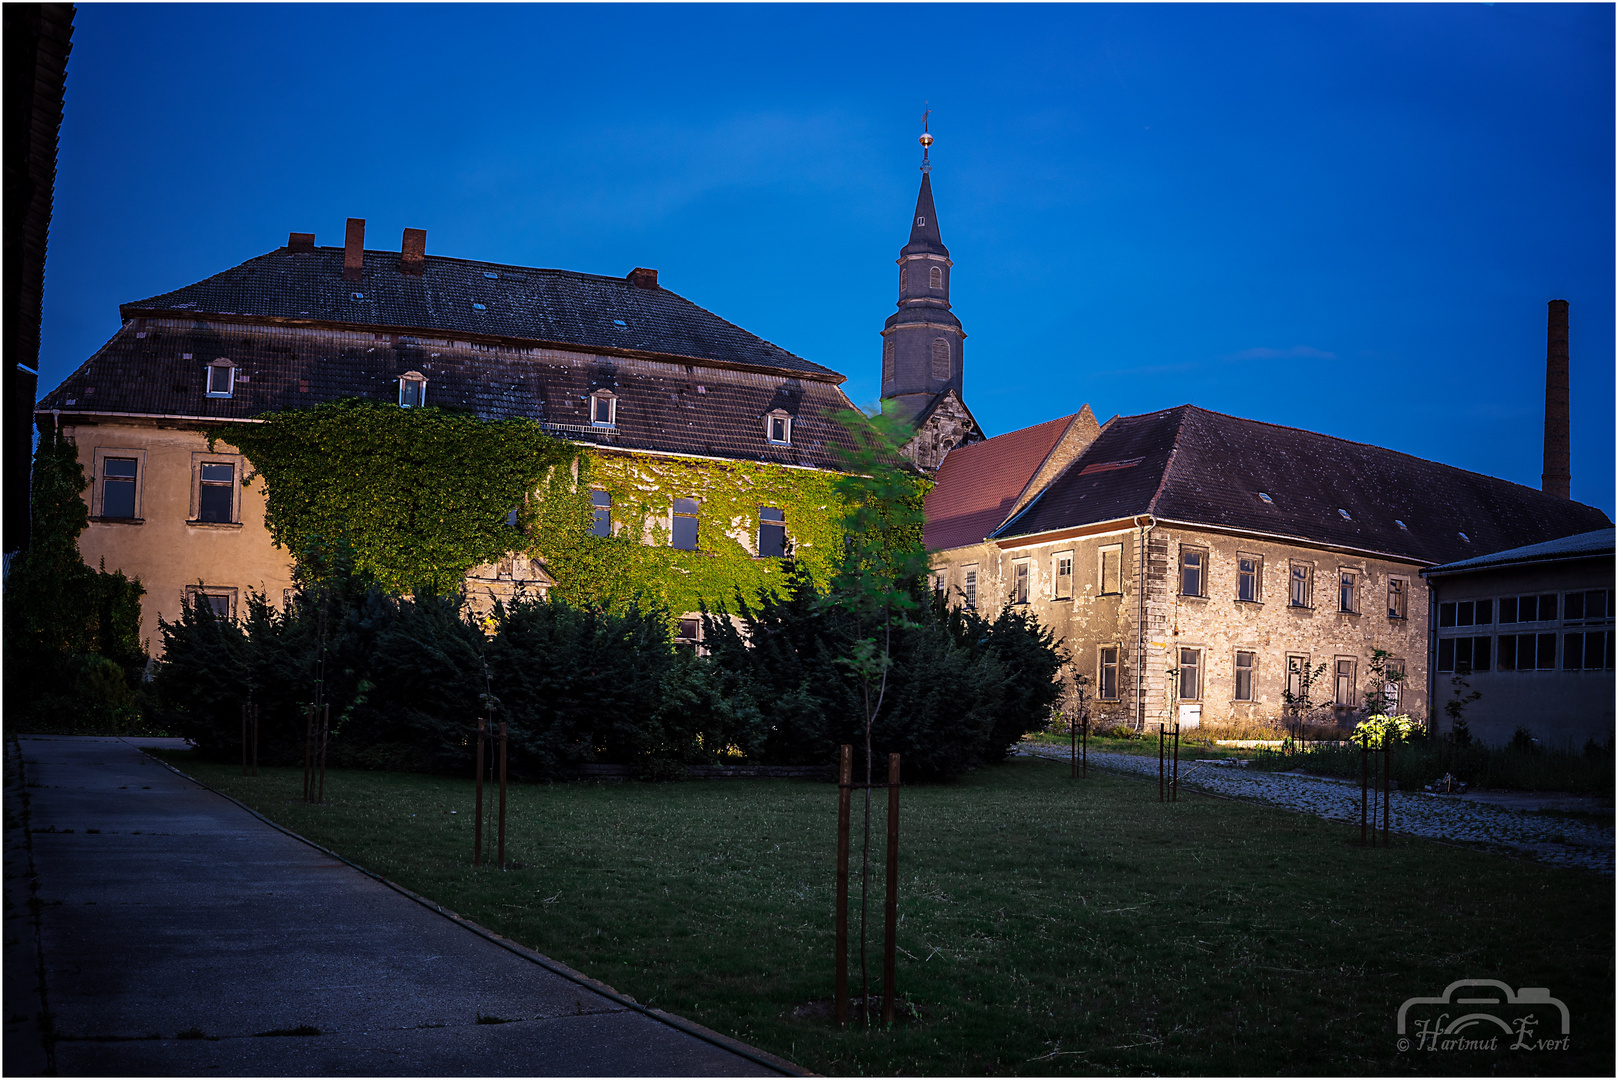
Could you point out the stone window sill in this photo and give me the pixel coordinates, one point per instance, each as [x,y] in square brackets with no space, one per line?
[118,521]
[215,524]
[1250,603]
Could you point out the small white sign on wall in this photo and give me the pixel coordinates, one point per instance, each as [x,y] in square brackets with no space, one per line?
[1190,716]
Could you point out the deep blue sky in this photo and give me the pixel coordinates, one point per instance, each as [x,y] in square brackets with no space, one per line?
[1344,218]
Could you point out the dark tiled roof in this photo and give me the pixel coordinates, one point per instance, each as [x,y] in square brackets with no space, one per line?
[978,484]
[1189,464]
[924,234]
[518,303]
[1583,546]
[665,407]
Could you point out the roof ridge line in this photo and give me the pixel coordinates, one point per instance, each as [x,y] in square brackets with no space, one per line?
[1168,464]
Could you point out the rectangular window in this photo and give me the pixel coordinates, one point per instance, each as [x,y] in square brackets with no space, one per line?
[1508,609]
[685,524]
[1446,615]
[1112,571]
[1594,605]
[1298,595]
[1345,683]
[1297,664]
[1506,658]
[221,380]
[218,599]
[689,634]
[1244,676]
[1398,598]
[780,430]
[772,533]
[1193,567]
[118,487]
[969,588]
[601,509]
[1485,613]
[216,492]
[1190,674]
[1062,577]
[1347,600]
[412,393]
[1107,676]
[1019,583]
[603,410]
[1464,613]
[1546,660]
[1248,577]
[1446,654]
[1391,687]
[1573,651]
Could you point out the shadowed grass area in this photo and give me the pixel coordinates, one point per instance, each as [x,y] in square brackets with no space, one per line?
[1047,925]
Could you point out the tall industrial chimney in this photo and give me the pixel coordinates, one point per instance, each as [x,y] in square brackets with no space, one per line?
[1557,478]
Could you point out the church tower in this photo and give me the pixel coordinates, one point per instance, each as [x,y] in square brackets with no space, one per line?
[922,342]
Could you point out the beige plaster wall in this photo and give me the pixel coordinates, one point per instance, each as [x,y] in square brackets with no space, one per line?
[165,547]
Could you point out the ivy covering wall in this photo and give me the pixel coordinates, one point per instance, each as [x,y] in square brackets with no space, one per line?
[422,495]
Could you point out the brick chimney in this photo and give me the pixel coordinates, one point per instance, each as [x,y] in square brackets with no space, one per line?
[301,241]
[1557,478]
[642,278]
[413,252]
[354,250]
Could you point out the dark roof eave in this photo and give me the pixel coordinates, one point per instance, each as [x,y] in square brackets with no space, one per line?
[826,375]
[1029,539]
[1455,570]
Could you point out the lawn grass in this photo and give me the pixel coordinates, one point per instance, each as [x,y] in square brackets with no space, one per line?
[1048,926]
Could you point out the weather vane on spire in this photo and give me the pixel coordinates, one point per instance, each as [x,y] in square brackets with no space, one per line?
[926,141]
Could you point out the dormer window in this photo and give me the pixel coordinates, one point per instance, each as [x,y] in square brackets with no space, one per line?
[778,427]
[935,278]
[412,390]
[604,408]
[221,378]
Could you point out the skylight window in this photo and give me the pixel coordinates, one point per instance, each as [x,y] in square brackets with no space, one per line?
[1345,514]
[1266,497]
[479,307]
[491,275]
[619,322]
[1401,524]
[1465,537]
[359,296]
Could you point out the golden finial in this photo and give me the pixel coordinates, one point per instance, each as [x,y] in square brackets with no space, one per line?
[926,141]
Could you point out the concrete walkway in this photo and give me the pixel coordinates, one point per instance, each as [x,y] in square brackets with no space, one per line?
[181,935]
[1522,824]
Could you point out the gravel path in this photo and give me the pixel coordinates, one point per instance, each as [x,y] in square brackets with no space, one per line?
[1548,836]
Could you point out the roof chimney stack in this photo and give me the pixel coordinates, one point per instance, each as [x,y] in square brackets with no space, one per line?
[413,252]
[1557,478]
[301,242]
[642,278]
[354,250]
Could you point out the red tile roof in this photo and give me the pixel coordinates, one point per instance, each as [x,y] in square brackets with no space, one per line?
[977,485]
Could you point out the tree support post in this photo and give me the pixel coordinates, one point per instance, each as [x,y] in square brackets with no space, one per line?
[477,812]
[891,929]
[845,786]
[308,749]
[502,856]
[1174,786]
[1161,794]
[255,740]
[325,732]
[1365,751]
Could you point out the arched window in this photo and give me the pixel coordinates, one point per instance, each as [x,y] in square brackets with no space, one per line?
[935,278]
[941,367]
[887,360]
[901,279]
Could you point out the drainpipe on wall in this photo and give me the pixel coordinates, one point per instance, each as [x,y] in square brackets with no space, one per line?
[1432,661]
[1146,525]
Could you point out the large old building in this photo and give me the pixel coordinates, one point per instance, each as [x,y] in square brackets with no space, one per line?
[705,436]
[1197,566]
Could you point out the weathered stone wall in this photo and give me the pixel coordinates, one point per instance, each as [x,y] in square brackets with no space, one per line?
[949,426]
[1216,623]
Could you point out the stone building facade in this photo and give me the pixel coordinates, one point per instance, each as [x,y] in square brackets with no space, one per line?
[1196,566]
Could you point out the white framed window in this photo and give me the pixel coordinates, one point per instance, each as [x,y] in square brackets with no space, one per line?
[1062,575]
[1190,674]
[683,533]
[1019,582]
[221,378]
[1249,578]
[772,532]
[1343,688]
[604,408]
[778,427]
[1348,582]
[116,493]
[969,587]
[1112,570]
[1398,598]
[1297,665]
[941,358]
[1300,583]
[1193,571]
[412,390]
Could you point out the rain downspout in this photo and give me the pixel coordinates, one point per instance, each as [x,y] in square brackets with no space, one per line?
[1146,523]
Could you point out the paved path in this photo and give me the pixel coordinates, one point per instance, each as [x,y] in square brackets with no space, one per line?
[1522,829]
[167,909]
